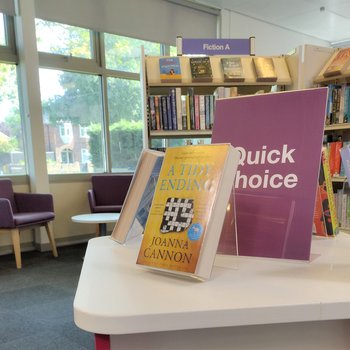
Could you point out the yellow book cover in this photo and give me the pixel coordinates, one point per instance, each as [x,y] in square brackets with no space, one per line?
[329,189]
[188,209]
[265,69]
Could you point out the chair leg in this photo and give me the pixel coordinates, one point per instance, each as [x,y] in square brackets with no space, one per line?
[51,239]
[16,242]
[98,233]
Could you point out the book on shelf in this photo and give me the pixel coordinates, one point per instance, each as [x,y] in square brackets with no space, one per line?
[188,209]
[319,226]
[232,69]
[340,62]
[201,70]
[170,70]
[264,69]
[334,157]
[345,206]
[345,160]
[325,215]
[338,104]
[138,200]
[342,200]
[279,136]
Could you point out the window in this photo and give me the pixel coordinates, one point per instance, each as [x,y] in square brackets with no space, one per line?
[72,101]
[74,114]
[83,131]
[85,156]
[2,30]
[66,156]
[63,39]
[12,159]
[123,53]
[125,123]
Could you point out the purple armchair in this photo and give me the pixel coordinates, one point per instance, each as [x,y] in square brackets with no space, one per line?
[24,210]
[108,192]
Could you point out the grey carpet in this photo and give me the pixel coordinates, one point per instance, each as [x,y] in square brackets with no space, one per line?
[36,303]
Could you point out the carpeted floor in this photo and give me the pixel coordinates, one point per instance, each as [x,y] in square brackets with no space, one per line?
[36,303]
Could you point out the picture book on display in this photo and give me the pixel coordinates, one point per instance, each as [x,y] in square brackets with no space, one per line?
[201,69]
[279,136]
[138,200]
[264,69]
[188,210]
[339,64]
[170,69]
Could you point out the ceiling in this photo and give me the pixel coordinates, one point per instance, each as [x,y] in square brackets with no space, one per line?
[323,19]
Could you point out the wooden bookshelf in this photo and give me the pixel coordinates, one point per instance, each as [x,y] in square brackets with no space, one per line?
[152,86]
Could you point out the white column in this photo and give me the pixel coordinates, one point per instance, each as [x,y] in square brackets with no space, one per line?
[31,101]
[225,25]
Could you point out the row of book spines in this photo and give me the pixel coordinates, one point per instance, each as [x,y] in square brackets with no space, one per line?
[181,112]
[342,202]
[338,104]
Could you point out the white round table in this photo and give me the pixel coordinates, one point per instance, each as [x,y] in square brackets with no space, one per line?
[97,218]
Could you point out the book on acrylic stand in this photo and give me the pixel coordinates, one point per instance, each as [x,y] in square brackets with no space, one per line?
[138,200]
[279,136]
[188,210]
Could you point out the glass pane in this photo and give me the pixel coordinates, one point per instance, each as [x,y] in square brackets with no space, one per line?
[124,53]
[125,123]
[63,39]
[162,144]
[12,159]
[173,51]
[71,103]
[2,30]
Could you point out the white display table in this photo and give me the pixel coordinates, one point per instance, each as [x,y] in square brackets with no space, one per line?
[260,304]
[97,218]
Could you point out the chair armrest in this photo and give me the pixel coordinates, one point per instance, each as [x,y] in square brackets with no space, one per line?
[92,200]
[6,214]
[34,202]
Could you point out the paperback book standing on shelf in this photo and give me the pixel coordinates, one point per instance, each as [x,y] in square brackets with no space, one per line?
[232,69]
[264,69]
[201,69]
[170,70]
[188,209]
[279,136]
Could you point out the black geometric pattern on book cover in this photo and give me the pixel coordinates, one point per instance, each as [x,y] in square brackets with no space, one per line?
[178,215]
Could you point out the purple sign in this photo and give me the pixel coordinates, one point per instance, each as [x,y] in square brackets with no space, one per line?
[216,46]
[279,136]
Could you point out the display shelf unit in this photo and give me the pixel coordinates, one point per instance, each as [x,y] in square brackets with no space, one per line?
[337,129]
[152,85]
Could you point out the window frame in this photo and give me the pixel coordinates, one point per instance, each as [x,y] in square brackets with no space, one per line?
[94,66]
[8,53]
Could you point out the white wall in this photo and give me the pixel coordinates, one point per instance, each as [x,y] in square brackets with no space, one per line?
[269,39]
